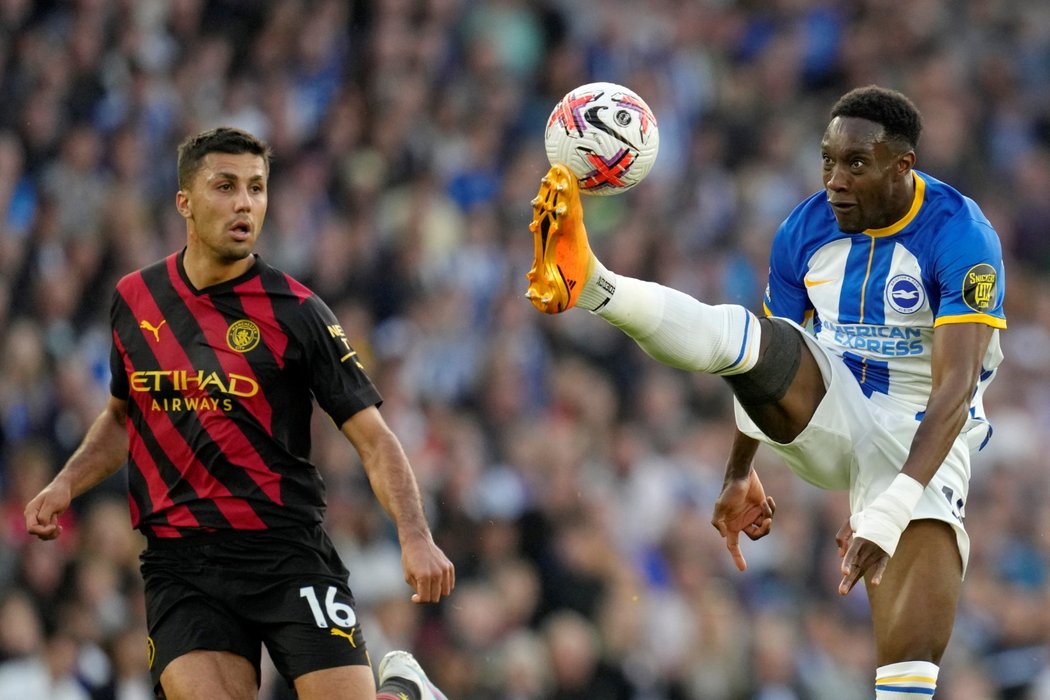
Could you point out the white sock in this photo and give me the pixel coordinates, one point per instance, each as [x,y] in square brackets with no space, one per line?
[907,680]
[673,327]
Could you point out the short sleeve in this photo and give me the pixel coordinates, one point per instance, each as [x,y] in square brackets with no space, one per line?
[970,276]
[337,378]
[118,376]
[785,294]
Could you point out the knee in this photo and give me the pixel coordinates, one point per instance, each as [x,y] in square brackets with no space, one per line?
[209,674]
[771,377]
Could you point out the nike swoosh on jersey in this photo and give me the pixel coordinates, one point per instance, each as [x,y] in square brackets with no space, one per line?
[815,282]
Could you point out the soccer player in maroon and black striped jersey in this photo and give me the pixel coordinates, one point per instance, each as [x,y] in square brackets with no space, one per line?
[217,359]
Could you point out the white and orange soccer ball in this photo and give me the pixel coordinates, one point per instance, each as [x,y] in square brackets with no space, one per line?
[606,135]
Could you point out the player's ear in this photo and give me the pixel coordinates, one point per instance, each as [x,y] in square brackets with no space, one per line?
[182,203]
[905,162]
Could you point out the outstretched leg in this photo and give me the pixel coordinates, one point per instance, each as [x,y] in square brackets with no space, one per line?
[767,364]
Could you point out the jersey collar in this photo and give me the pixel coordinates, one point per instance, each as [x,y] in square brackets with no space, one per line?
[221,286]
[916,204]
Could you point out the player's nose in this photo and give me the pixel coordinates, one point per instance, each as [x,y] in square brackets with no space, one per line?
[836,179]
[243,200]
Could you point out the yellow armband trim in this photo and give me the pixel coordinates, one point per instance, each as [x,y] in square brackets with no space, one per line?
[987,320]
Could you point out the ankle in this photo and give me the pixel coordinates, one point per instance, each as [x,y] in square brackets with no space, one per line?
[599,288]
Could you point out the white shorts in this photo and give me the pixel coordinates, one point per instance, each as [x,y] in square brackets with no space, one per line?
[853,444]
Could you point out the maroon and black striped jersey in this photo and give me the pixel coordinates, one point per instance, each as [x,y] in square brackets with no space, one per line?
[220,384]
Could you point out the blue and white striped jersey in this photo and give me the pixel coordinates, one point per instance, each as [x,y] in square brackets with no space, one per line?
[874,298]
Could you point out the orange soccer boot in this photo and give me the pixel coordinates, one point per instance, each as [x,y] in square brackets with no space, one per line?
[563,260]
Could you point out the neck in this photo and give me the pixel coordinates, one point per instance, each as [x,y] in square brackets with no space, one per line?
[908,195]
[205,271]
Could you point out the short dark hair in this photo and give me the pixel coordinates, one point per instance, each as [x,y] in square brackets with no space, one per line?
[893,110]
[223,139]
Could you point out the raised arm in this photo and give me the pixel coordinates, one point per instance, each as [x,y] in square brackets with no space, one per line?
[426,568]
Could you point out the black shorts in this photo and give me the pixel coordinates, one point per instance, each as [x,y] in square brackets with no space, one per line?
[284,588]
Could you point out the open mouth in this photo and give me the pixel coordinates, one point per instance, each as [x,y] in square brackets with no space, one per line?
[241,230]
[842,206]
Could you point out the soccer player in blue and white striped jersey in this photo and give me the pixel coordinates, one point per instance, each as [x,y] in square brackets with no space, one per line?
[866,372]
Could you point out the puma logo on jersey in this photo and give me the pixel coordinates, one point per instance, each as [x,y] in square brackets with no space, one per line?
[336,632]
[155,330]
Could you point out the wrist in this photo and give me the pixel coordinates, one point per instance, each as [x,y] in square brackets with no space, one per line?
[413,533]
[884,519]
[62,482]
[737,474]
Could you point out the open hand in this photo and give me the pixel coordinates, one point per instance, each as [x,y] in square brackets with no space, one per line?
[743,507]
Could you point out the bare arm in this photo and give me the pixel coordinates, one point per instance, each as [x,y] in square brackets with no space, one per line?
[741,454]
[958,350]
[426,567]
[101,453]
[743,505]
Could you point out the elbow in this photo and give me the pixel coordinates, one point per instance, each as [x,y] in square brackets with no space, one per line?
[118,411]
[957,413]
[948,412]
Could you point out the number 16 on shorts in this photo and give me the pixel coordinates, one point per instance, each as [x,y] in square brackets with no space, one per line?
[340,614]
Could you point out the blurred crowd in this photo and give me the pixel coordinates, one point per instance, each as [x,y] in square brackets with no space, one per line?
[569,477]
